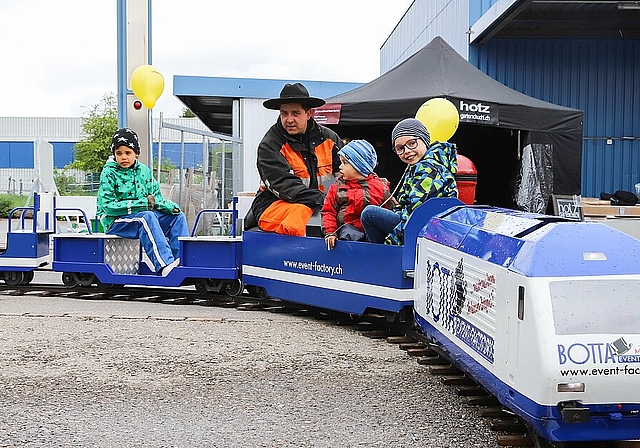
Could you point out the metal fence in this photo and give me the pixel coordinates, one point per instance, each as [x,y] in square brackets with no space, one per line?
[20,181]
[210,185]
[216,170]
[16,180]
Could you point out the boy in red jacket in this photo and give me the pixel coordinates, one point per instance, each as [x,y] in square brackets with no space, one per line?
[356,187]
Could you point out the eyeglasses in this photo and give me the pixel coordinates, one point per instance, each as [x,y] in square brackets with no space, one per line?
[410,144]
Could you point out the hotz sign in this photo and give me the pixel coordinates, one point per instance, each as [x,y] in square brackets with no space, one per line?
[480,112]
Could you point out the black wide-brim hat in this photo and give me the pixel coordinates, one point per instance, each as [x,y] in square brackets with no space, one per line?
[294,93]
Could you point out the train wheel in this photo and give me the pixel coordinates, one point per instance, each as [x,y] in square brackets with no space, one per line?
[201,286]
[86,279]
[28,277]
[234,288]
[68,279]
[257,291]
[14,278]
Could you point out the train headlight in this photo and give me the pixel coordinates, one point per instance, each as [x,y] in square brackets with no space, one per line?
[570,387]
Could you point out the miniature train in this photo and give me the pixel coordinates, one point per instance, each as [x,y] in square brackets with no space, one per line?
[539,310]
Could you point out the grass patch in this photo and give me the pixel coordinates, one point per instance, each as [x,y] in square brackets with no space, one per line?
[10,201]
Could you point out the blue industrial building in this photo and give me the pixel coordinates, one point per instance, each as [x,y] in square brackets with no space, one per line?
[19,134]
[583,55]
[579,54]
[15,154]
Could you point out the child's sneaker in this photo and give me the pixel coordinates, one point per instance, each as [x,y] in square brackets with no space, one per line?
[168,268]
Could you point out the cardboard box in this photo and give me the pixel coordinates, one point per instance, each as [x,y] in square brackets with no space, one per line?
[598,207]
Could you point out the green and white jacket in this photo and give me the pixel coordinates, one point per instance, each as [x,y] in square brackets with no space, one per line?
[432,177]
[124,191]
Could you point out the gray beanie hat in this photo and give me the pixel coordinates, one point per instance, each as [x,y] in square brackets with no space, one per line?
[361,155]
[410,127]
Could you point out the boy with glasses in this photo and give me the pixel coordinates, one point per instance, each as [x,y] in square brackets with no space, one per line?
[430,173]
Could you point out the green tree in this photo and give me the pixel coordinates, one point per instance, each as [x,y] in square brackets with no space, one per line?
[187,113]
[98,126]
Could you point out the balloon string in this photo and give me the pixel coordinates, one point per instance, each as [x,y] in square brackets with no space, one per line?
[395,190]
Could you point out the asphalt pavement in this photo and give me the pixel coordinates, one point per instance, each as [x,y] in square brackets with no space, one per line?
[109,373]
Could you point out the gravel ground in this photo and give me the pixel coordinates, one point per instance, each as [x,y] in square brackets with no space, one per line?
[105,373]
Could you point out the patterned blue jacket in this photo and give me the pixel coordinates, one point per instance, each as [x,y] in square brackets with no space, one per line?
[433,176]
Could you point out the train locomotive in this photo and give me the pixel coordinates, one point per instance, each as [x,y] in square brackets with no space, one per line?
[541,311]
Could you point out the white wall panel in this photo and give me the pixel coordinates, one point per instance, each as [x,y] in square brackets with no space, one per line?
[256,120]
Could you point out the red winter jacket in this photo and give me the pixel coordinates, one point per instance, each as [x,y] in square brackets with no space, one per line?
[346,199]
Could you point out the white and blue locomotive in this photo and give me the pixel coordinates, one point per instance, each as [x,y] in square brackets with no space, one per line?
[544,313]
[541,311]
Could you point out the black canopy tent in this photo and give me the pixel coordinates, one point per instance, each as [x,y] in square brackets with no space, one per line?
[524,149]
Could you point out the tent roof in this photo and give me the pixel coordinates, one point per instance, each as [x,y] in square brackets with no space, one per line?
[437,70]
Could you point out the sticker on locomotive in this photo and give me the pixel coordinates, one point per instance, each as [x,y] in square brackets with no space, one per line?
[456,307]
[620,346]
[313,266]
[617,351]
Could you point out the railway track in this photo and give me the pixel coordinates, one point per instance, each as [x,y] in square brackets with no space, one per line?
[510,430]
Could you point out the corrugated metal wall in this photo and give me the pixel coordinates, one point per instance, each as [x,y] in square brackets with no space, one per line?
[70,128]
[423,21]
[16,154]
[599,76]
[50,128]
[18,134]
[478,7]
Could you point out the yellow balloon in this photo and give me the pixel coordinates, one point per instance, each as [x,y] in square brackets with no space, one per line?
[440,117]
[147,84]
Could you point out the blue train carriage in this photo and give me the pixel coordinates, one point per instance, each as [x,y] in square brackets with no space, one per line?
[27,245]
[211,263]
[542,312]
[355,277]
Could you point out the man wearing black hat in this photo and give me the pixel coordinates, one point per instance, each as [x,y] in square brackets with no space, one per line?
[295,157]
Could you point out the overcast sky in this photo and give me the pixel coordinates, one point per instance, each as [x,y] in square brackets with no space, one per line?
[58,57]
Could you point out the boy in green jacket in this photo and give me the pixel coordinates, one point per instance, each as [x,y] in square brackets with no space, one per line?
[430,173]
[131,205]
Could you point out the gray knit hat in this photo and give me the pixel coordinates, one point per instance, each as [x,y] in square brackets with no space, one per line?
[361,155]
[410,127]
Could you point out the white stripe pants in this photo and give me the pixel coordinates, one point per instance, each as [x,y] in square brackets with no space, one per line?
[158,233]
